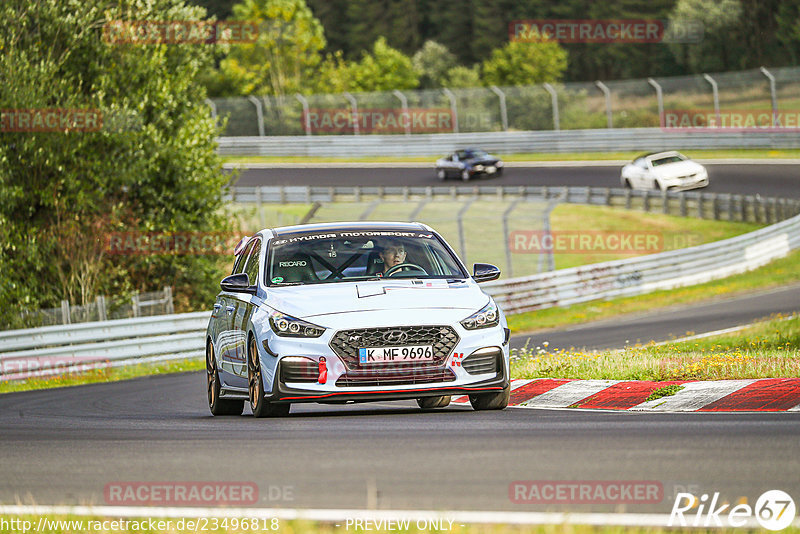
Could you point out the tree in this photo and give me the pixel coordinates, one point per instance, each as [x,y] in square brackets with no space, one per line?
[460,77]
[385,69]
[525,63]
[721,47]
[432,62]
[286,52]
[150,165]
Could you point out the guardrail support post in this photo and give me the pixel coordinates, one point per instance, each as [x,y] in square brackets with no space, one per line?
[742,208]
[715,93]
[453,107]
[773,96]
[354,110]
[627,199]
[259,114]
[715,206]
[135,304]
[659,98]
[683,206]
[664,203]
[700,206]
[603,87]
[170,307]
[503,111]
[646,200]
[306,119]
[404,104]
[554,101]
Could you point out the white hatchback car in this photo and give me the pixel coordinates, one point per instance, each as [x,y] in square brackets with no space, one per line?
[354,312]
[664,171]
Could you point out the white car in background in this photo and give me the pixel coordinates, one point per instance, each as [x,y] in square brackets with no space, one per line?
[664,171]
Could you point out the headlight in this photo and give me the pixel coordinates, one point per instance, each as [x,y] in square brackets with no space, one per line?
[498,164]
[486,317]
[288,326]
[478,167]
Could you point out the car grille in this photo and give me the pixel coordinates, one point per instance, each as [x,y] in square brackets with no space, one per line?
[299,370]
[477,364]
[394,377]
[346,343]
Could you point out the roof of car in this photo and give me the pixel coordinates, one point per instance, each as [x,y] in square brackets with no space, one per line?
[661,154]
[360,226]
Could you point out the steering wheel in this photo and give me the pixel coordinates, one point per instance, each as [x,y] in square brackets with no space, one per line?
[410,266]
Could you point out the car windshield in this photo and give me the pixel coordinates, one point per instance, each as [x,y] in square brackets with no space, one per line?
[341,256]
[668,159]
[476,153]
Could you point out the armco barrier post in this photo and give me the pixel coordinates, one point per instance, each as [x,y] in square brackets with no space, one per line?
[604,88]
[554,101]
[259,114]
[65,318]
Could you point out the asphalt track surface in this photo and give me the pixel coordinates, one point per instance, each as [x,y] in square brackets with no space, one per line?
[770,180]
[64,446]
[669,323]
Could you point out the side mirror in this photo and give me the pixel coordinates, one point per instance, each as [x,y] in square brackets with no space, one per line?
[237,283]
[484,272]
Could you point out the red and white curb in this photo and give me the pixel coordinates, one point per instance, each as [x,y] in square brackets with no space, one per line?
[754,395]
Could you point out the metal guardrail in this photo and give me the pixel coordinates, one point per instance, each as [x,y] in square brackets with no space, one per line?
[605,140]
[49,350]
[718,206]
[645,274]
[58,349]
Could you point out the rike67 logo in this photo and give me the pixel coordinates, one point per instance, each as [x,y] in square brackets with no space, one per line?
[774,510]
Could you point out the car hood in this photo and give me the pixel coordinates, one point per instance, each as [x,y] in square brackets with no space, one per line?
[678,169]
[318,300]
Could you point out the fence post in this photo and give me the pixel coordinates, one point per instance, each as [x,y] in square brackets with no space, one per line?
[506,214]
[404,104]
[742,208]
[135,304]
[715,93]
[101,308]
[354,110]
[259,207]
[460,221]
[700,206]
[683,205]
[503,111]
[306,118]
[453,107]
[773,96]
[65,318]
[551,204]
[627,196]
[646,200]
[210,103]
[259,114]
[664,203]
[660,98]
[607,92]
[554,101]
[170,308]
[715,206]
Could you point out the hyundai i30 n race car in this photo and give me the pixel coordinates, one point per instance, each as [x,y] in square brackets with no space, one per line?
[354,312]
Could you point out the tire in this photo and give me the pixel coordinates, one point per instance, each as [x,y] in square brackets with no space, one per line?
[627,184]
[465,175]
[499,172]
[441,174]
[429,403]
[216,405]
[255,382]
[491,401]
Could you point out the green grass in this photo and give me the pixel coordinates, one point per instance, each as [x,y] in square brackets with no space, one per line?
[769,349]
[111,374]
[780,272]
[531,156]
[666,391]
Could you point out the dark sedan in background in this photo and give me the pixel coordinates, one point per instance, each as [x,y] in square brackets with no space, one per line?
[468,163]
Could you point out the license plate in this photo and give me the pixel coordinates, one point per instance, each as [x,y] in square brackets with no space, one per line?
[413,353]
